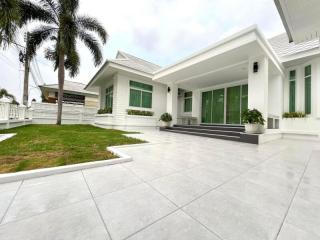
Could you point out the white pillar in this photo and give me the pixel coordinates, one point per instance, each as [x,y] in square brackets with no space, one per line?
[196,105]
[172,102]
[258,85]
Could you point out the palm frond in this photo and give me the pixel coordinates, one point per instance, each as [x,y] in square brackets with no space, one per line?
[93,46]
[38,36]
[31,11]
[91,24]
[9,20]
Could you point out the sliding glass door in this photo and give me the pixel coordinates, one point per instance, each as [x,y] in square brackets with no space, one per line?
[233,105]
[218,106]
[214,109]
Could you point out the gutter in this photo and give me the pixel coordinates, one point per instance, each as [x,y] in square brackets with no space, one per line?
[283,19]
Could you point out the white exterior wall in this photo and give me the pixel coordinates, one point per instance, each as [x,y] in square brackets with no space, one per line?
[121,96]
[275,96]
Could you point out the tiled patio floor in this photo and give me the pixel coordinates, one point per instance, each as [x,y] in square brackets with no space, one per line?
[178,187]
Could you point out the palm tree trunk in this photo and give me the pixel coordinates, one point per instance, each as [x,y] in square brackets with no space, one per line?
[61,83]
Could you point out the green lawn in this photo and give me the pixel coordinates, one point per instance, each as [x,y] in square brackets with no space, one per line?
[41,146]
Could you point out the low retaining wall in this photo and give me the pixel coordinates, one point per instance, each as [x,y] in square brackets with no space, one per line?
[6,124]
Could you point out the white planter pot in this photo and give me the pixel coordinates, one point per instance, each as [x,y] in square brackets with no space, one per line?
[165,124]
[254,128]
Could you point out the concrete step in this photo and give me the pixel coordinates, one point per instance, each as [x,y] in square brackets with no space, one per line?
[218,136]
[211,127]
[207,131]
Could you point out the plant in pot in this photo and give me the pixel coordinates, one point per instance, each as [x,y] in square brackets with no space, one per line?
[253,120]
[166,119]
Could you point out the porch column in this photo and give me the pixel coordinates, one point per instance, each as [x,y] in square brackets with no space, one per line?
[172,102]
[258,85]
[196,105]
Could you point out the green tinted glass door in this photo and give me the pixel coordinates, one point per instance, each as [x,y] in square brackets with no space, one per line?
[218,106]
[244,98]
[233,105]
[206,107]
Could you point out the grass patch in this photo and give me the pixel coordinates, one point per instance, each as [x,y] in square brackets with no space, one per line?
[42,146]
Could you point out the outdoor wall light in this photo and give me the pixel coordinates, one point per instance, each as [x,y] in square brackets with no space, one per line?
[169,89]
[255,67]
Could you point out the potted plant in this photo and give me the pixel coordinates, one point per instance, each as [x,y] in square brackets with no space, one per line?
[166,119]
[253,120]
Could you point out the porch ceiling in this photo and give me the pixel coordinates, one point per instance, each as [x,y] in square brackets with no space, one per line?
[223,68]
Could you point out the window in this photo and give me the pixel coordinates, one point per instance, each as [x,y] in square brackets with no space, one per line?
[188,102]
[292,91]
[307,89]
[140,95]
[109,97]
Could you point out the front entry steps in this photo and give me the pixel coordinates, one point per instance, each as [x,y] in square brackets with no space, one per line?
[220,131]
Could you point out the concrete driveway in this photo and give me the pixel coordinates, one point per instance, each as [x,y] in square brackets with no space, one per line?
[177,187]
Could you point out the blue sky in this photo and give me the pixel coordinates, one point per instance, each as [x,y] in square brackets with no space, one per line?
[161,31]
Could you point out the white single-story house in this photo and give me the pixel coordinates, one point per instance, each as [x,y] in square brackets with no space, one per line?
[74,93]
[215,84]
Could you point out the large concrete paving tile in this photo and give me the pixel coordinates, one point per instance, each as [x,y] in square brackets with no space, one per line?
[7,192]
[78,221]
[179,188]
[305,215]
[109,179]
[232,219]
[257,196]
[43,194]
[290,232]
[129,210]
[176,226]
[209,176]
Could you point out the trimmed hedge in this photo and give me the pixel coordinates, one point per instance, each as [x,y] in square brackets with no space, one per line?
[294,115]
[139,113]
[105,110]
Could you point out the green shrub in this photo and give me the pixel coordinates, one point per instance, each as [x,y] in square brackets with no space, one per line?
[105,110]
[166,117]
[139,112]
[253,116]
[294,115]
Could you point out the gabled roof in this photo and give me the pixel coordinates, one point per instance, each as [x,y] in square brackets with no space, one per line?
[70,86]
[284,48]
[130,61]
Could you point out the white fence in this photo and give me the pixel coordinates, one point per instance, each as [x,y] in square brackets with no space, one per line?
[12,115]
[46,113]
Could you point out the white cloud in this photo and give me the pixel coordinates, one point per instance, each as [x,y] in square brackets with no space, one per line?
[162,31]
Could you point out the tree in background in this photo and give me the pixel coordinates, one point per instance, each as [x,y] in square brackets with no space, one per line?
[5,93]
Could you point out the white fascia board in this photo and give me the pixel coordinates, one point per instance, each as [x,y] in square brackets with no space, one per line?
[130,70]
[239,39]
[217,49]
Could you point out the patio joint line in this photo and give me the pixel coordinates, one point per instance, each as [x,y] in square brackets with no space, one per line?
[294,195]
[178,208]
[95,203]
[11,202]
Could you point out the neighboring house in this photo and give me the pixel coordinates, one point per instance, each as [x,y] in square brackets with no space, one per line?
[216,84]
[74,93]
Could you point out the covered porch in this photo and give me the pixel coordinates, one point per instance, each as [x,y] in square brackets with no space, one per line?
[215,85]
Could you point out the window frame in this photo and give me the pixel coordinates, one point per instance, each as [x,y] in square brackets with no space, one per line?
[141,91]
[292,105]
[109,92]
[307,107]
[187,98]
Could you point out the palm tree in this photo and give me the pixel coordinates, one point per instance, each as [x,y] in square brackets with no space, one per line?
[9,21]
[61,24]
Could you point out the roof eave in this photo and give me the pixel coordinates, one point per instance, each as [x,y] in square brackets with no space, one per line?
[284,20]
